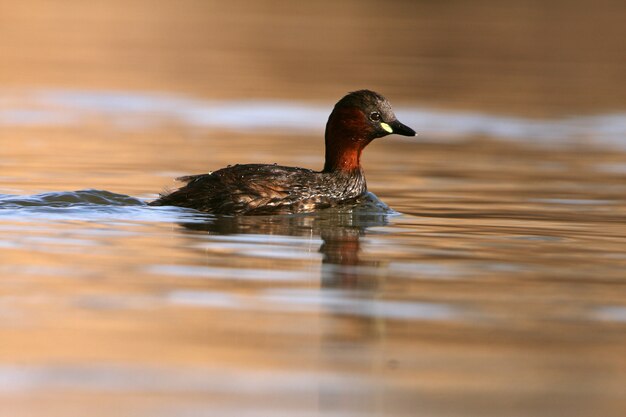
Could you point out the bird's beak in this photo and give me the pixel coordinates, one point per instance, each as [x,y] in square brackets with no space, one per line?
[398,128]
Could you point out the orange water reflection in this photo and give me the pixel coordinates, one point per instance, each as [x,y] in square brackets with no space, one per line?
[498,292]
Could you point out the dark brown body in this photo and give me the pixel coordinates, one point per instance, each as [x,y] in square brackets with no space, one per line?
[266,189]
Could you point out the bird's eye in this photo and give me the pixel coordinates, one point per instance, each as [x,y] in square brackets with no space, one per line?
[375,116]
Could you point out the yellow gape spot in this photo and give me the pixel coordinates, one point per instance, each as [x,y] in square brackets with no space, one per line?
[386,127]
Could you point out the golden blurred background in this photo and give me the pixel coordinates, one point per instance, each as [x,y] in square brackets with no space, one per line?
[533,57]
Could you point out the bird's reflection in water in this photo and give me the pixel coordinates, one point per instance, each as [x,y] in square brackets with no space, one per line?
[345,279]
[340,229]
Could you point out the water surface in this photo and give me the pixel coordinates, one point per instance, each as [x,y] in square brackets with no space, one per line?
[495,278]
[492,285]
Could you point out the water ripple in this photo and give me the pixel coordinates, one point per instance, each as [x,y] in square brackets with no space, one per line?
[334,302]
[69,199]
[89,205]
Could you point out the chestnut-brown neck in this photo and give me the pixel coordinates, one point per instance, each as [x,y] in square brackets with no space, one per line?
[346,136]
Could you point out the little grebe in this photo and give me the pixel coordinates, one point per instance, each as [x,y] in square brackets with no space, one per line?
[253,189]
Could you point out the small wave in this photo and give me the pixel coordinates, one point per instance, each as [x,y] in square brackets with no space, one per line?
[89,205]
[69,199]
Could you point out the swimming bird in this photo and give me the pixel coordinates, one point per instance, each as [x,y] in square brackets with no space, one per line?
[262,189]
